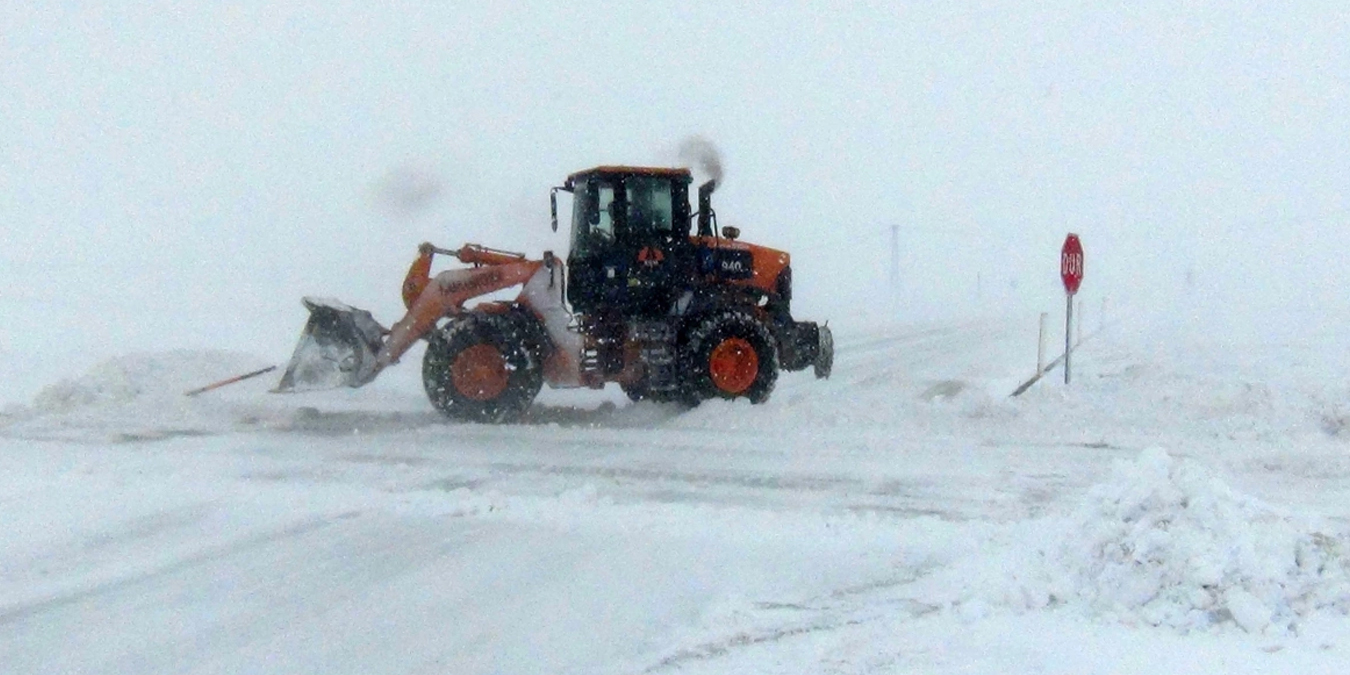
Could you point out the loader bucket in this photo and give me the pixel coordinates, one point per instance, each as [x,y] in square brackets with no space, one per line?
[337,348]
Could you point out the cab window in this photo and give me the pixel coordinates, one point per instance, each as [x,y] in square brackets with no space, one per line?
[592,216]
[650,207]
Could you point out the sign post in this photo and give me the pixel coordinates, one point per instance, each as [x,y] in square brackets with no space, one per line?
[1071,271]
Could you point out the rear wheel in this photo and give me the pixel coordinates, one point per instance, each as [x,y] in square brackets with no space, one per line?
[729,355]
[483,368]
[825,353]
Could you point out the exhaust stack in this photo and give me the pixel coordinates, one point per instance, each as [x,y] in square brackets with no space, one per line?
[705,212]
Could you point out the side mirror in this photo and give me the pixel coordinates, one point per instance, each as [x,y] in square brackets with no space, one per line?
[731,232]
[553,206]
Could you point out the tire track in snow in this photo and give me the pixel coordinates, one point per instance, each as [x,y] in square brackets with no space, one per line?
[29,609]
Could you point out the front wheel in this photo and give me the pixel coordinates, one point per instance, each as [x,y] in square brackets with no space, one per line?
[482,368]
[729,355]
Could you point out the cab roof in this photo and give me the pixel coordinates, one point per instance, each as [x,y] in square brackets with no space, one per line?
[632,170]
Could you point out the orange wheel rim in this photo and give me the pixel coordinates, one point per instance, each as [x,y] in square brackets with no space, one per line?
[479,373]
[733,365]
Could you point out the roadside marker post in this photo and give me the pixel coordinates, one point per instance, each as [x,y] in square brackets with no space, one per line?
[1078,325]
[1040,346]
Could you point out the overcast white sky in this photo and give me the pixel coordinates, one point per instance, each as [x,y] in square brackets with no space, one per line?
[180,173]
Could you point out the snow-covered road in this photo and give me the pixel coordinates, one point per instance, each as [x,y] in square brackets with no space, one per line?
[904,516]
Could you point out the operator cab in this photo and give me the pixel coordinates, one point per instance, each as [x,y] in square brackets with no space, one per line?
[630,239]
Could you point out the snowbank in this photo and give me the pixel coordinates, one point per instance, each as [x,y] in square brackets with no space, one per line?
[160,376]
[1163,542]
[141,396]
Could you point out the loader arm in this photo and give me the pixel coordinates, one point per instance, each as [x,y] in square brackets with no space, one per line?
[419,273]
[428,299]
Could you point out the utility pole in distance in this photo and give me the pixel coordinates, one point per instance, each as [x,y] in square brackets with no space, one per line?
[895,257]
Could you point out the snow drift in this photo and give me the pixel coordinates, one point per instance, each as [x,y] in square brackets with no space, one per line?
[141,397]
[1164,542]
[156,376]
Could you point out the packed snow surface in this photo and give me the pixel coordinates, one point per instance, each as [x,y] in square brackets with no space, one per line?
[1171,511]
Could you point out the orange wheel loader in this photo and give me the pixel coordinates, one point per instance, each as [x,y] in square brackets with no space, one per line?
[651,296]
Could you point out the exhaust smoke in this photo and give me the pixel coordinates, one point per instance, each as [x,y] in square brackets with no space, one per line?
[407,191]
[702,154]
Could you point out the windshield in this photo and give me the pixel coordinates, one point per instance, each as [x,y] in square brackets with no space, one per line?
[592,217]
[631,209]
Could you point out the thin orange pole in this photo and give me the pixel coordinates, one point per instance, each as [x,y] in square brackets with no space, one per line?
[232,380]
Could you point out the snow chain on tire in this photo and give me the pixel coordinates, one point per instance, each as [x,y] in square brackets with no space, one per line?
[707,335]
[824,364]
[512,357]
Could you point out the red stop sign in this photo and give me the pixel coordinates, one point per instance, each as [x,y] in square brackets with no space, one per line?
[1071,263]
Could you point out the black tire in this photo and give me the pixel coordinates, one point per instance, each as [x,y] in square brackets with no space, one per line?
[824,364]
[494,359]
[715,332]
